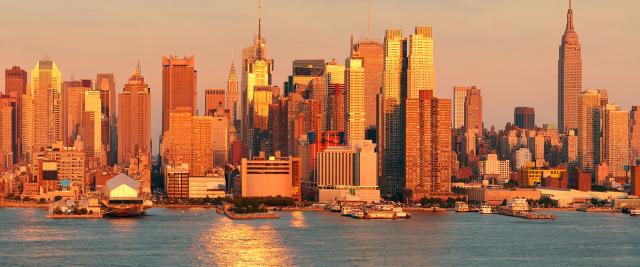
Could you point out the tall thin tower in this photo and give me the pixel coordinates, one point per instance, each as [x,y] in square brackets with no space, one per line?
[569,76]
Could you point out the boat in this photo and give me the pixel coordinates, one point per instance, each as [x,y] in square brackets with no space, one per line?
[485,209]
[121,197]
[357,213]
[462,206]
[345,211]
[335,207]
[400,213]
[634,212]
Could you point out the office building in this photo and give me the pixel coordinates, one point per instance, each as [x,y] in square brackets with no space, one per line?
[232,101]
[266,177]
[372,54]
[420,71]
[46,89]
[348,172]
[179,81]
[73,97]
[390,130]
[634,132]
[214,99]
[569,77]
[7,131]
[15,85]
[491,167]
[134,119]
[92,127]
[524,118]
[106,84]
[459,96]
[354,100]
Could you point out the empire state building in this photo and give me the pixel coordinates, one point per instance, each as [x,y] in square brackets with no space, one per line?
[569,76]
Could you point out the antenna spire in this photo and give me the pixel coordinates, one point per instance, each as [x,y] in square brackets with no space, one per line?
[259,48]
[369,23]
[570,18]
[138,69]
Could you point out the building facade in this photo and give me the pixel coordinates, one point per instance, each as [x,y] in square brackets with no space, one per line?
[569,76]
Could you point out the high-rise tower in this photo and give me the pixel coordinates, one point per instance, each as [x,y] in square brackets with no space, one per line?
[233,95]
[257,70]
[420,72]
[390,130]
[179,79]
[15,85]
[46,88]
[569,76]
[134,119]
[354,100]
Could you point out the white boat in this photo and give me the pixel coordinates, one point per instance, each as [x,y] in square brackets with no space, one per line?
[345,211]
[634,212]
[485,209]
[401,213]
[357,213]
[335,207]
[462,206]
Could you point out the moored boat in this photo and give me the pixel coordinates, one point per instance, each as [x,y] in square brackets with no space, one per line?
[400,213]
[335,207]
[485,209]
[345,211]
[357,213]
[462,206]
[634,212]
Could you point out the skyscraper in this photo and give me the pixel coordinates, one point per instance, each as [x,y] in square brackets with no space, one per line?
[589,130]
[73,97]
[354,100]
[7,131]
[372,54]
[428,146]
[459,95]
[257,71]
[233,102]
[179,79]
[634,132]
[214,99]
[473,110]
[105,83]
[569,76]
[524,117]
[420,72]
[615,140]
[15,85]
[46,87]
[92,126]
[390,133]
[134,119]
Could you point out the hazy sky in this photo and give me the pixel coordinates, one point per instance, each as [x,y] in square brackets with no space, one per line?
[508,48]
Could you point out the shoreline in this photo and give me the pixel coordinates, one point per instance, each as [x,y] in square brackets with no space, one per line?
[11,204]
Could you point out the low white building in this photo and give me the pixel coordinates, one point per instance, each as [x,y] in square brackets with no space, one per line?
[348,172]
[492,167]
[211,186]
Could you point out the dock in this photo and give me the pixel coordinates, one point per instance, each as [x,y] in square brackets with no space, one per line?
[529,215]
[74,216]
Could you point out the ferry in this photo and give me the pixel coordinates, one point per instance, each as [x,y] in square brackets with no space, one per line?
[634,212]
[485,209]
[345,211]
[462,206]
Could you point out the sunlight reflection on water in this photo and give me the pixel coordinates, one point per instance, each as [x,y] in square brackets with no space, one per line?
[231,243]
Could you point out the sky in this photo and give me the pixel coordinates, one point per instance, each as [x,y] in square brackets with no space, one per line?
[507,48]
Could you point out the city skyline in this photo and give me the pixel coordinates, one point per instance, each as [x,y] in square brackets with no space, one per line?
[458,52]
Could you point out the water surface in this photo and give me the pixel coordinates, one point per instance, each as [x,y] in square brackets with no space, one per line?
[199,237]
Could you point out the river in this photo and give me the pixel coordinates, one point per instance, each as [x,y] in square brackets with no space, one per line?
[199,237]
